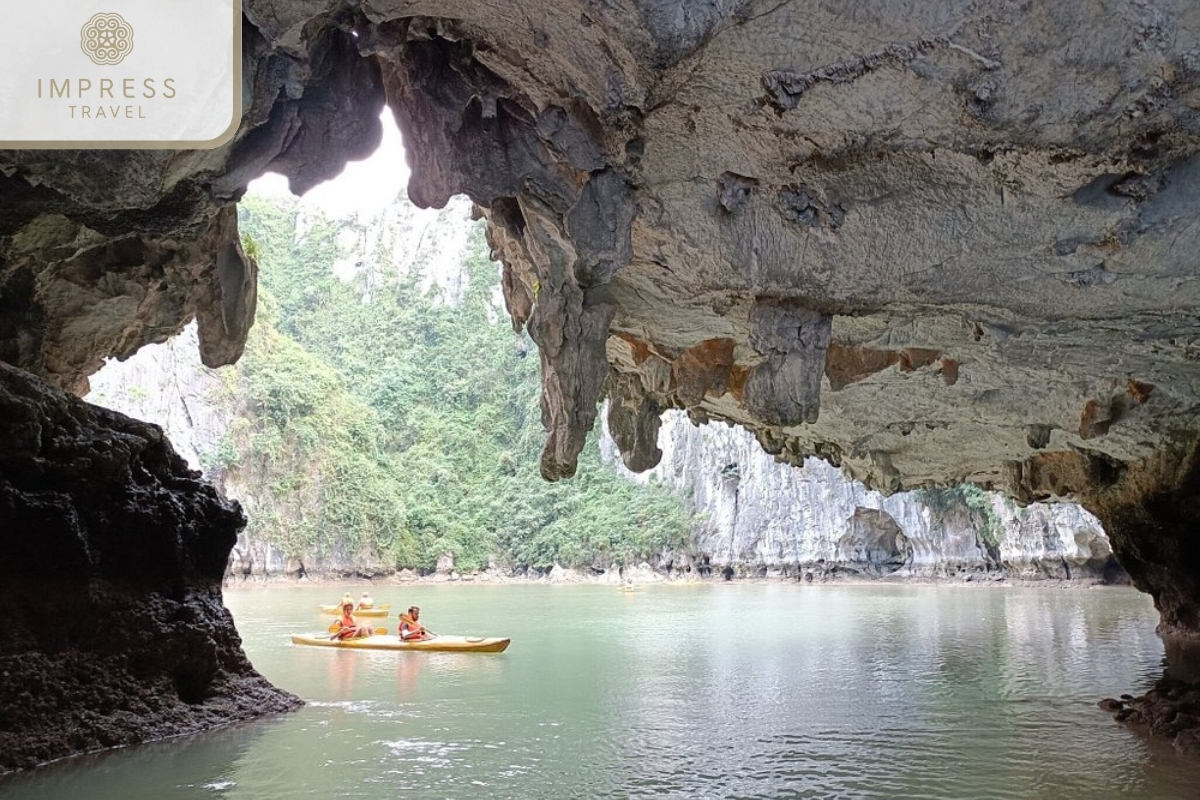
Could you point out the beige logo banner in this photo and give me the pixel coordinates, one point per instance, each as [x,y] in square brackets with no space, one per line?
[129,74]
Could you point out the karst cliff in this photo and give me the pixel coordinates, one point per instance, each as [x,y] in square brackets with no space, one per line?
[757,517]
[925,242]
[763,518]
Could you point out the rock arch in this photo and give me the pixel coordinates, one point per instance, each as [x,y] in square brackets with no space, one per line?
[910,259]
[873,543]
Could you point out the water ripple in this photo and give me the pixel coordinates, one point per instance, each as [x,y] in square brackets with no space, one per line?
[854,693]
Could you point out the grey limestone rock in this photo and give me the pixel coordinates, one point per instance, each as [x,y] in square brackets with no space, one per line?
[766,514]
[996,226]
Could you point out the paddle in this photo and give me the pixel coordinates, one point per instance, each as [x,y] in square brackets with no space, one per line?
[366,612]
[335,627]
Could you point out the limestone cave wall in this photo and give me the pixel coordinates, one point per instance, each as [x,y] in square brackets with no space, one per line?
[925,242]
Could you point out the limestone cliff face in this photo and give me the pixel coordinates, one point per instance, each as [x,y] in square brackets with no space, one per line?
[758,513]
[764,516]
[410,241]
[168,385]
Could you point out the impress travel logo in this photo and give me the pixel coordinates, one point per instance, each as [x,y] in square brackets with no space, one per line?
[120,74]
[106,38]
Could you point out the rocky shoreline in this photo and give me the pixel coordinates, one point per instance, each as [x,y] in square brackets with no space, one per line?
[644,575]
[1170,710]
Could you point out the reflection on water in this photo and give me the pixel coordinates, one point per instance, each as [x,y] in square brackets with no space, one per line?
[1182,658]
[765,691]
[408,671]
[202,766]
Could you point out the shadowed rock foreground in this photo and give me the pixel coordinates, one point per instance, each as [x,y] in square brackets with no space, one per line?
[113,557]
[925,242]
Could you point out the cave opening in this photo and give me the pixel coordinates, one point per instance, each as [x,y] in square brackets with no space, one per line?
[874,542]
[649,238]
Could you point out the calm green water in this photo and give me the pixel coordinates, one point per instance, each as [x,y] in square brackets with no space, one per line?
[723,691]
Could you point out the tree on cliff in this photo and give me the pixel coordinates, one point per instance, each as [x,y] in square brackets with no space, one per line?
[386,420]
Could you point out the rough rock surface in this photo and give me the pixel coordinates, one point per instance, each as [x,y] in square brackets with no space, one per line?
[768,517]
[982,214]
[113,558]
[761,515]
[926,242]
[1168,710]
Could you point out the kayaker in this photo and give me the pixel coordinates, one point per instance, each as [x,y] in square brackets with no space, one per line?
[365,602]
[411,629]
[349,627]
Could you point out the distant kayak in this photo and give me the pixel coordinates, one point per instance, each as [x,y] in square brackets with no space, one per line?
[441,642]
[377,611]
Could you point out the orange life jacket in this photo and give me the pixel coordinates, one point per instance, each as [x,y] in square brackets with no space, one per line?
[409,625]
[348,624]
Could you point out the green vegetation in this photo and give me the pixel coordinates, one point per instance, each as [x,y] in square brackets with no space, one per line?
[943,501]
[386,423]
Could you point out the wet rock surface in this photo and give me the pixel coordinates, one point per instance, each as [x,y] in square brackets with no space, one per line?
[114,553]
[1170,710]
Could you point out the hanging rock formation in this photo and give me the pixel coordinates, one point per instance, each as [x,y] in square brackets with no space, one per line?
[926,242]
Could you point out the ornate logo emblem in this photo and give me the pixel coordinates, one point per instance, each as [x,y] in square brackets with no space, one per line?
[106,38]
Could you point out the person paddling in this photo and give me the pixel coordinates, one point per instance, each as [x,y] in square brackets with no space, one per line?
[365,602]
[411,629]
[349,627]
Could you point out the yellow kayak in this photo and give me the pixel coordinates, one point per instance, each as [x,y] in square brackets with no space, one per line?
[377,611]
[442,642]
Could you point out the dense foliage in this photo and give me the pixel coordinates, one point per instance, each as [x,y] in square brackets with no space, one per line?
[389,421]
[977,502]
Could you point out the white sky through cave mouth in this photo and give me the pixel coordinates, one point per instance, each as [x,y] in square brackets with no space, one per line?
[363,189]
[372,194]
[368,193]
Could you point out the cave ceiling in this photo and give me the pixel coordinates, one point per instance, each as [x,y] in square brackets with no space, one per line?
[927,241]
